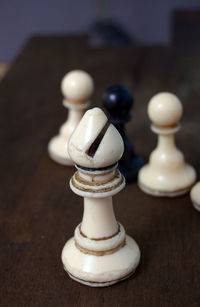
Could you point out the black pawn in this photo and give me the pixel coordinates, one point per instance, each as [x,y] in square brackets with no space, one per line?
[118,101]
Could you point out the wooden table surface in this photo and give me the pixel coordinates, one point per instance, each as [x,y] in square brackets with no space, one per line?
[38,211]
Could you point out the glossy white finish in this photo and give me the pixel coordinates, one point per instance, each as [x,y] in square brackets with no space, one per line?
[110,149]
[101,271]
[102,176]
[58,146]
[165,109]
[112,187]
[100,254]
[77,87]
[97,245]
[166,174]
[93,219]
[195,196]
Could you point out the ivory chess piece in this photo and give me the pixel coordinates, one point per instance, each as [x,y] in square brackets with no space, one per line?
[166,174]
[118,101]
[195,196]
[77,87]
[100,253]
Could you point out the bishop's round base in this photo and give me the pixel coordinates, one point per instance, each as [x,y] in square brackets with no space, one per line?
[166,184]
[57,149]
[99,284]
[100,271]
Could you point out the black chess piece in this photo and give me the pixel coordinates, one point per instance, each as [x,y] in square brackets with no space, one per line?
[118,101]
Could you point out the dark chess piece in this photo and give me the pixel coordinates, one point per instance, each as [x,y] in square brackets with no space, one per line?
[118,101]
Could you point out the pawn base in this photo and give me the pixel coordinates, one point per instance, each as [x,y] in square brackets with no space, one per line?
[164,182]
[195,196]
[196,206]
[158,193]
[100,271]
[57,149]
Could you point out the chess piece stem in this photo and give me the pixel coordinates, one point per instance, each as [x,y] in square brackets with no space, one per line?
[103,226]
[75,114]
[166,142]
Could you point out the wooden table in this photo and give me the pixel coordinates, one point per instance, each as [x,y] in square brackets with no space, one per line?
[39,212]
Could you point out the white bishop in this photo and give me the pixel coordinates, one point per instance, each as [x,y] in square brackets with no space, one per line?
[100,253]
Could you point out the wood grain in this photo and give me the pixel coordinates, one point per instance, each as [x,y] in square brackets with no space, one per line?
[38,211]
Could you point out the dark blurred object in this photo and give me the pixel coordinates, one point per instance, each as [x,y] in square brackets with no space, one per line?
[107,32]
[118,101]
[186,26]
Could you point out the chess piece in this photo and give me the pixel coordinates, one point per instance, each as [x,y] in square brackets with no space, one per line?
[118,101]
[166,174]
[195,196]
[100,253]
[77,87]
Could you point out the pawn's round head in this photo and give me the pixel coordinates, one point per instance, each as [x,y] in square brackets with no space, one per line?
[118,101]
[77,86]
[165,109]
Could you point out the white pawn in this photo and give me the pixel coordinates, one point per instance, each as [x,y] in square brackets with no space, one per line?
[100,253]
[195,196]
[166,174]
[77,87]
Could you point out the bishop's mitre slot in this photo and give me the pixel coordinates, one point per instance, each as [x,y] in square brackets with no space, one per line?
[94,146]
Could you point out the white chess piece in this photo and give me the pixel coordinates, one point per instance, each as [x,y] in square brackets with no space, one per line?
[195,196]
[100,253]
[166,174]
[77,87]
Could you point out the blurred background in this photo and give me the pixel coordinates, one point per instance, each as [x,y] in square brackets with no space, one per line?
[107,22]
